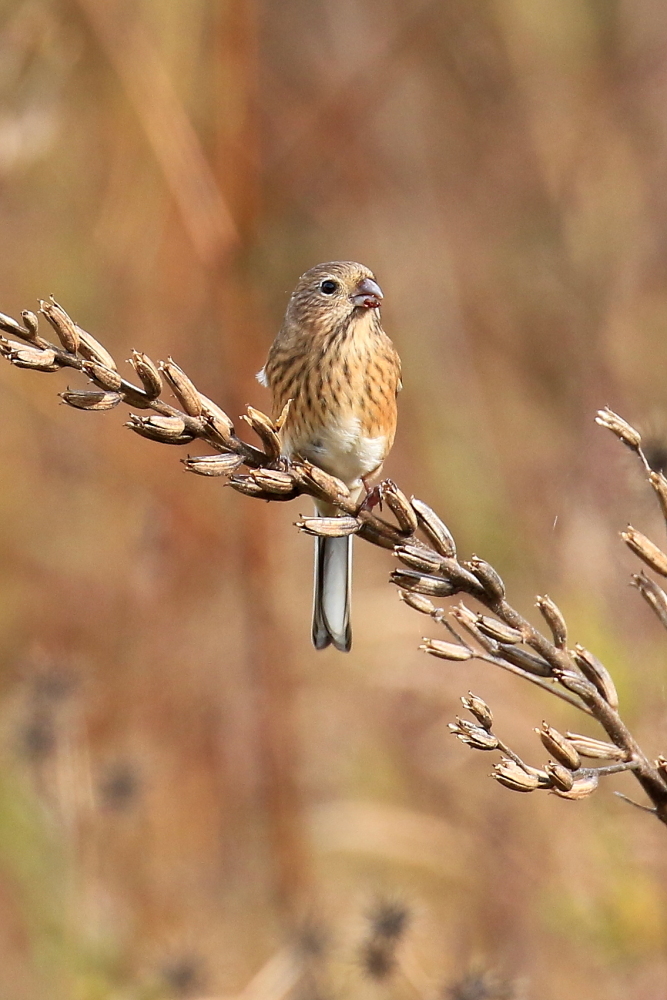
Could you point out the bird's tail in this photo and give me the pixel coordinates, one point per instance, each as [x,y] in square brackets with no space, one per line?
[331,603]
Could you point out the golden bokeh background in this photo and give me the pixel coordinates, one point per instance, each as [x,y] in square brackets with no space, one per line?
[185,785]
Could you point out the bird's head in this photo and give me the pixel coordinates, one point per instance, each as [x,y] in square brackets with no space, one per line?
[331,294]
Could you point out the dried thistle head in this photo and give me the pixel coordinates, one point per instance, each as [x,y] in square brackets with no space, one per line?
[389,919]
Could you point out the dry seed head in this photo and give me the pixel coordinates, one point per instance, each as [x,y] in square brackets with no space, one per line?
[400,507]
[30,357]
[554,619]
[168,430]
[31,323]
[279,483]
[494,629]
[265,430]
[182,387]
[581,788]
[90,400]
[215,413]
[446,650]
[94,351]
[561,777]
[329,527]
[654,595]
[418,602]
[435,530]
[620,427]
[213,465]
[65,327]
[11,326]
[476,737]
[248,486]
[597,749]
[577,685]
[388,919]
[530,662]
[511,775]
[461,577]
[283,416]
[320,482]
[148,373]
[106,378]
[478,707]
[419,583]
[559,747]
[488,577]
[645,549]
[659,484]
[597,674]
[418,557]
[468,620]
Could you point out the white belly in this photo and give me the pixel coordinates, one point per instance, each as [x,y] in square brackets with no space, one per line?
[342,451]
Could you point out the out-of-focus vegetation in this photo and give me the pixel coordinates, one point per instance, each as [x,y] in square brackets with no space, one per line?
[185,784]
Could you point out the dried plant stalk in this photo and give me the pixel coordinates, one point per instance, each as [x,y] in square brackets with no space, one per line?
[500,636]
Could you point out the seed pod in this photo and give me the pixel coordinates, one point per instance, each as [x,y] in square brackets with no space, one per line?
[89,400]
[265,430]
[213,465]
[148,373]
[478,707]
[182,387]
[320,483]
[488,577]
[529,662]
[92,349]
[64,326]
[559,747]
[472,735]
[511,775]
[400,507]
[214,413]
[654,595]
[577,685]
[168,430]
[418,557]
[596,749]
[645,549]
[32,326]
[420,583]
[11,326]
[329,527]
[560,776]
[460,577]
[32,357]
[468,620]
[581,788]
[106,378]
[283,416]
[498,630]
[418,602]
[446,650]
[659,484]
[554,619]
[620,427]
[435,530]
[274,482]
[597,674]
[248,486]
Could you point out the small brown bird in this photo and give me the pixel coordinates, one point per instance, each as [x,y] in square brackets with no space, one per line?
[340,370]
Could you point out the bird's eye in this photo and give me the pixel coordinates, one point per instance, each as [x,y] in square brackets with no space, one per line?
[329,286]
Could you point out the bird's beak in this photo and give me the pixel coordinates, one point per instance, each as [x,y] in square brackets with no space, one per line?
[368,294]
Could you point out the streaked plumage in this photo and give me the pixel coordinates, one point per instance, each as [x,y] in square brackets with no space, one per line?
[334,361]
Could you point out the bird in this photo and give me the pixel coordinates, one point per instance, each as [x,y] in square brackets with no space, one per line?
[340,373]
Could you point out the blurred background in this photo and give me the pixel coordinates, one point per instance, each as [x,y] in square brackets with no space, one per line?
[190,796]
